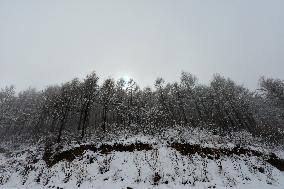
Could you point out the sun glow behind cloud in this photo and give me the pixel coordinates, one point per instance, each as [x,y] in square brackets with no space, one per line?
[126,77]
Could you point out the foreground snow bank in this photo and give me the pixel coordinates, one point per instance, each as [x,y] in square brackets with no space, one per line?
[116,185]
[157,167]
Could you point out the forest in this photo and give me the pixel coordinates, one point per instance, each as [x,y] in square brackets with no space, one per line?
[78,108]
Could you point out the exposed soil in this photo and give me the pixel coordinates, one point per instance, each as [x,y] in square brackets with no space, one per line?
[52,157]
[106,148]
[276,162]
[214,153]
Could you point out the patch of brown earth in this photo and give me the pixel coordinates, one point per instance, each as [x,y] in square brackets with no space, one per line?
[276,162]
[106,148]
[52,157]
[214,153]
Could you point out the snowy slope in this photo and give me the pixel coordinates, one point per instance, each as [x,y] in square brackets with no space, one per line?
[160,167]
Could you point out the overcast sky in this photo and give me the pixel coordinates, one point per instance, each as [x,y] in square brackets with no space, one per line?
[49,42]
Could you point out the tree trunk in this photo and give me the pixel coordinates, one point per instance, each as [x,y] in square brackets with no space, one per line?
[61,128]
[105,119]
[85,119]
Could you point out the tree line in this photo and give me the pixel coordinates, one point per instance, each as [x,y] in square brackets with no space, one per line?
[81,105]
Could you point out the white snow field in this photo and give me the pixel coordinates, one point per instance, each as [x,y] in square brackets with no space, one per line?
[161,167]
[137,170]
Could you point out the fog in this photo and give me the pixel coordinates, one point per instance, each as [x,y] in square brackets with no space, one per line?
[49,42]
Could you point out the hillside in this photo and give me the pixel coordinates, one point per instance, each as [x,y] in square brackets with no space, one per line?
[185,158]
[86,134]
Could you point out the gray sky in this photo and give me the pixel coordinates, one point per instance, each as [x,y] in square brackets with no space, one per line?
[49,42]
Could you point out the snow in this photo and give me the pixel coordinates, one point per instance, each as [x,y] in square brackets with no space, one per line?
[138,169]
[112,185]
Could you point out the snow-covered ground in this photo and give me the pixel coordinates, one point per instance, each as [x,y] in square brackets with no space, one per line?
[137,170]
[112,185]
[162,167]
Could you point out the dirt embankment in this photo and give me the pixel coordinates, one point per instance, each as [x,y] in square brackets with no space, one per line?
[214,153]
[52,157]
